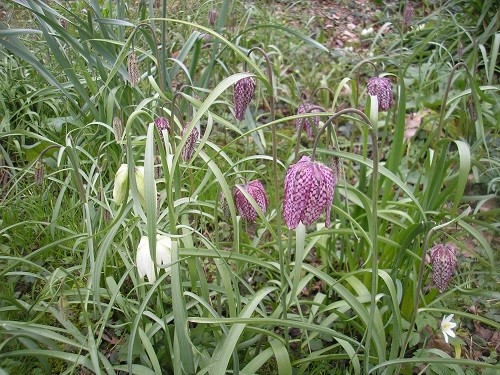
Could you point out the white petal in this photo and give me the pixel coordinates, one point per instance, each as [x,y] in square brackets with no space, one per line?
[143,258]
[445,337]
[120,184]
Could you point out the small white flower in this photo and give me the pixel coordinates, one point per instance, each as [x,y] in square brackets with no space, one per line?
[119,188]
[121,182]
[144,260]
[447,327]
[368,31]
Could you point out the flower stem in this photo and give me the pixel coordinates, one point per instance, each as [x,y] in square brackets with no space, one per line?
[284,285]
[373,221]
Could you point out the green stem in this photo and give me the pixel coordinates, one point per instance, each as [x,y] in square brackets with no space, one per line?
[299,131]
[445,99]
[373,221]
[284,285]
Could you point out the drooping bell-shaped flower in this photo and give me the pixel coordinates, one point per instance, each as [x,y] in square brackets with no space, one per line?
[309,187]
[245,209]
[307,123]
[381,88]
[444,263]
[188,149]
[161,124]
[121,183]
[212,17]
[407,14]
[243,94]
[144,258]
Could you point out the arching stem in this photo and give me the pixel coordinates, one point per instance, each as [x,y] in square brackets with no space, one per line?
[299,131]
[284,283]
[445,98]
[373,221]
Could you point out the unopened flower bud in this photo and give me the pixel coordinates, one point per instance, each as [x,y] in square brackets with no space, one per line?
[39,172]
[407,15]
[188,149]
[307,123]
[133,69]
[226,213]
[471,108]
[117,128]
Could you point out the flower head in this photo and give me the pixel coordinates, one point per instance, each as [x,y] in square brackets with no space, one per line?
[212,17]
[381,88]
[407,14]
[309,188]
[444,263]
[243,94]
[161,124]
[447,327]
[144,259]
[256,190]
[121,183]
[188,149]
[307,123]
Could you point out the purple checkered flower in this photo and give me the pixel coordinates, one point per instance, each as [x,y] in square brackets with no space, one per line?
[188,149]
[212,17]
[245,209]
[381,88]
[243,94]
[407,14]
[307,123]
[444,263]
[309,188]
[161,124]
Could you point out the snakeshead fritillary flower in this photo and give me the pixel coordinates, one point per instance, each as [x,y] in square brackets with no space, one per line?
[256,190]
[242,95]
[144,259]
[121,183]
[447,327]
[309,188]
[381,88]
[188,149]
[212,17]
[407,14]
[444,263]
[306,123]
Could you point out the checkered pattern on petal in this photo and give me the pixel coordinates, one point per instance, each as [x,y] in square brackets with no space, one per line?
[381,88]
[444,263]
[309,188]
[245,209]
[188,149]
[161,124]
[243,94]
[307,123]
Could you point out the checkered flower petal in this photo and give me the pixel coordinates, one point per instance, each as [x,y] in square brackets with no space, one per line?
[306,123]
[444,263]
[245,209]
[188,149]
[243,94]
[309,188]
[161,124]
[381,88]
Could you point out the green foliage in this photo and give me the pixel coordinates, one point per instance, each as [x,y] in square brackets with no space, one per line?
[241,297]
